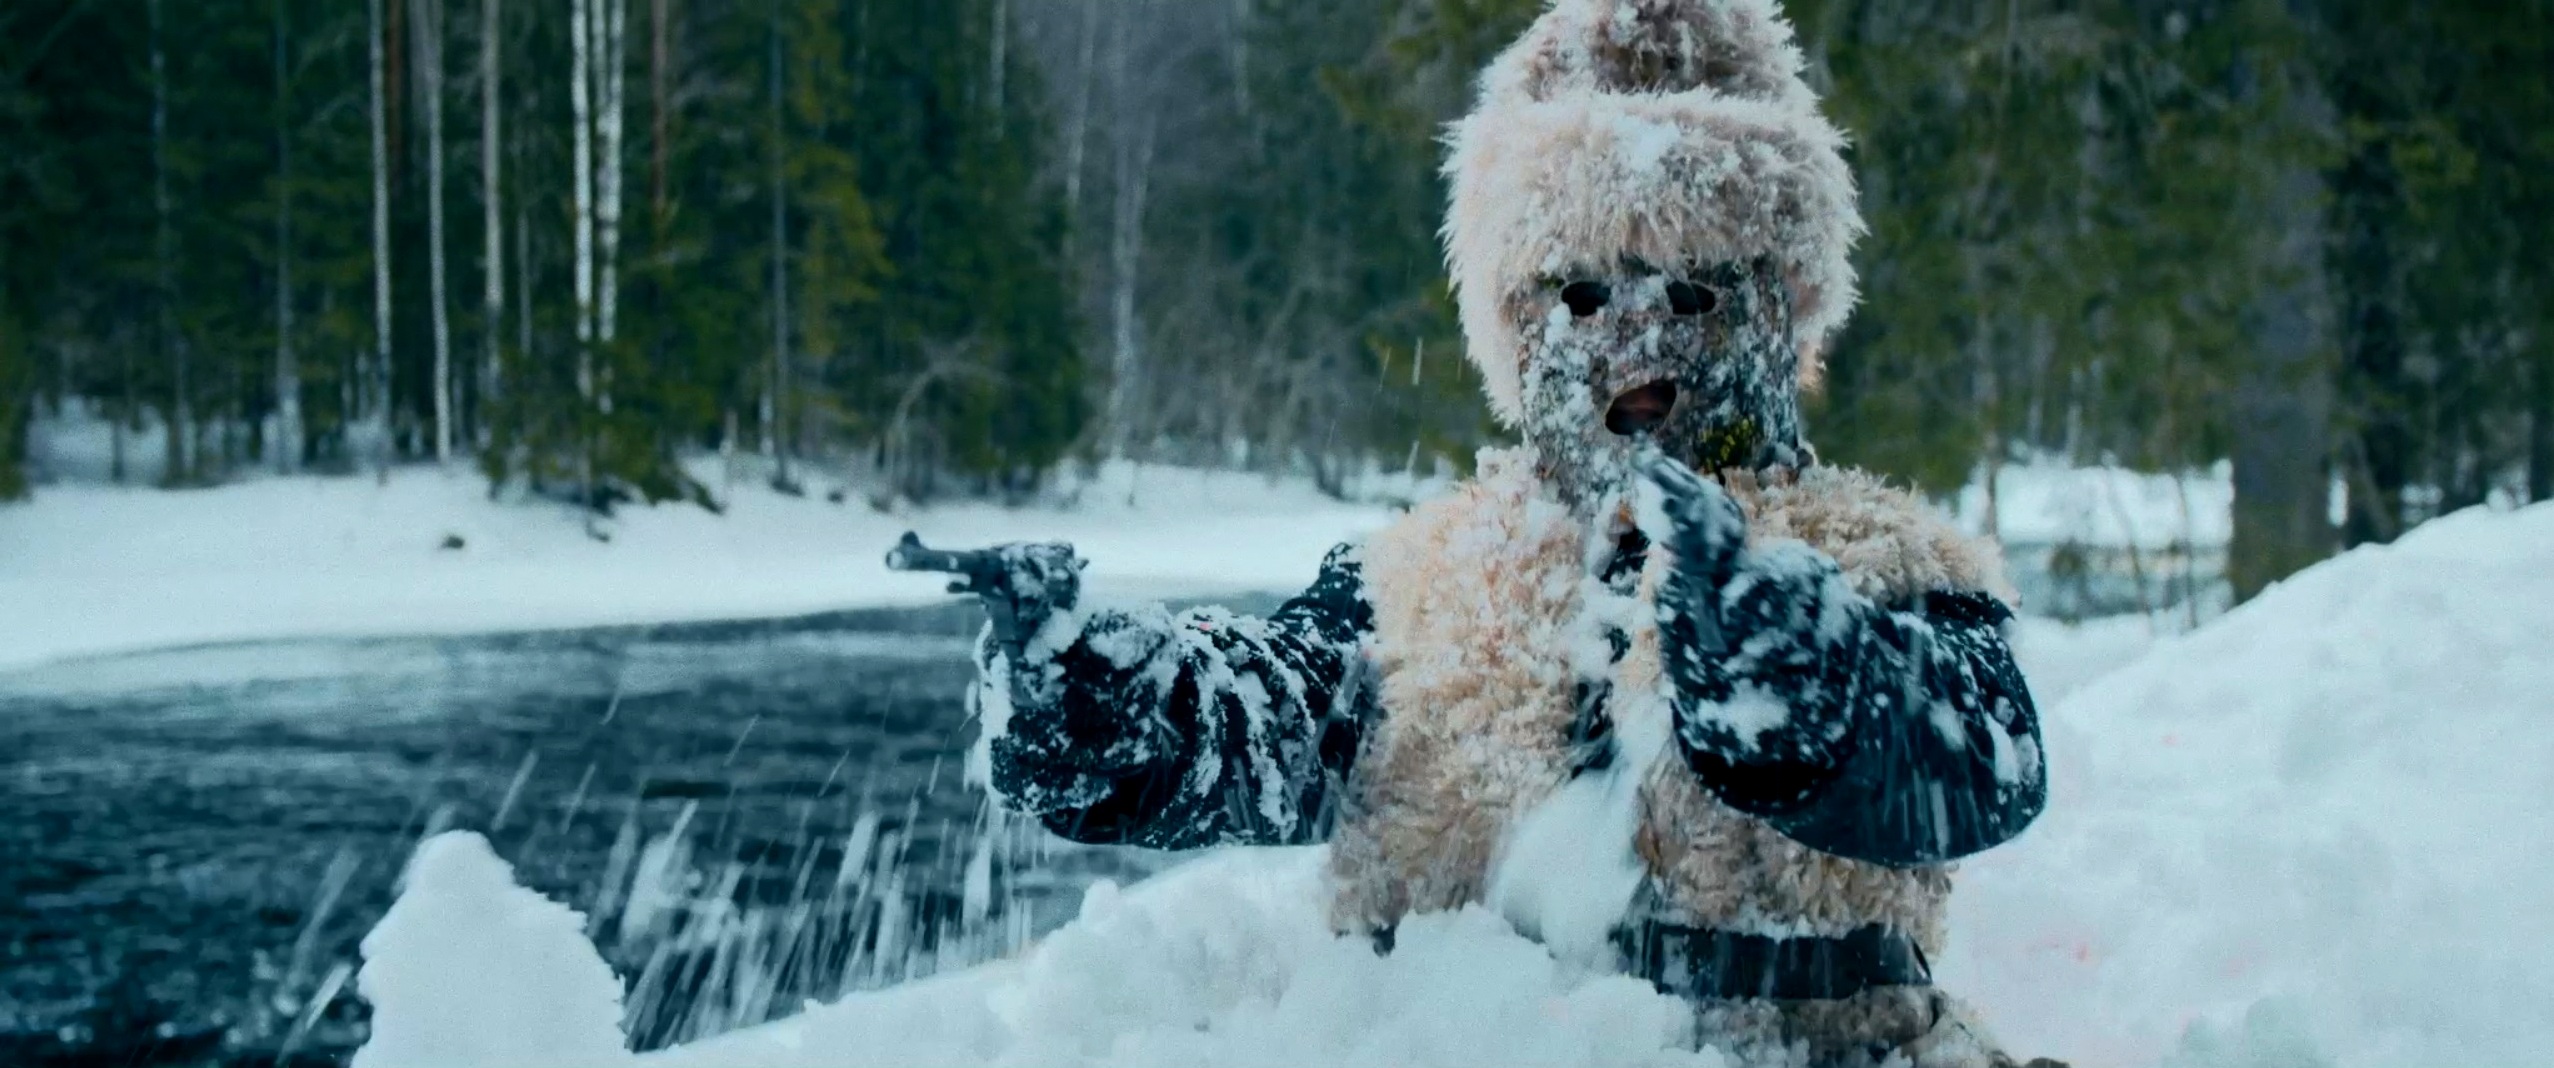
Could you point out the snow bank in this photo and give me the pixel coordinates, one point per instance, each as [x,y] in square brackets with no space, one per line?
[2316,831]
[469,969]
[2060,658]
[88,569]
[1227,961]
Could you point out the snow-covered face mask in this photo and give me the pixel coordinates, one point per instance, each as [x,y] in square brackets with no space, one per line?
[1700,360]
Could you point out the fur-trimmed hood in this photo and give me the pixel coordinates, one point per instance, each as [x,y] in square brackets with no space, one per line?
[1672,132]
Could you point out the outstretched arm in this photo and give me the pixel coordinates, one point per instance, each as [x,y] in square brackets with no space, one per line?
[1900,734]
[1176,731]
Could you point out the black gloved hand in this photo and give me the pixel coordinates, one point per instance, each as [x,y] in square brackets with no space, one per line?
[1068,732]
[1074,725]
[1756,642]
[1035,581]
[1022,584]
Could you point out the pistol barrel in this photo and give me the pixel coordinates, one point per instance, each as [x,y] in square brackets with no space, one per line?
[911,555]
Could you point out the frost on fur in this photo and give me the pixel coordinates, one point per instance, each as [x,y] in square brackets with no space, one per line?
[1737,48]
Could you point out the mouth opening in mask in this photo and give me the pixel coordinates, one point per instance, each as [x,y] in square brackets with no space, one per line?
[1641,410]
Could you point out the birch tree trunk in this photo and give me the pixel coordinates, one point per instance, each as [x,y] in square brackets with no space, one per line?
[428,16]
[492,216]
[1127,261]
[1134,137]
[581,189]
[660,69]
[374,414]
[1077,134]
[286,446]
[1237,44]
[522,267]
[776,395]
[180,414]
[580,103]
[608,25]
[1001,57]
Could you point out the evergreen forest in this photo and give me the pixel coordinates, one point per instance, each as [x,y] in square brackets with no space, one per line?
[946,248]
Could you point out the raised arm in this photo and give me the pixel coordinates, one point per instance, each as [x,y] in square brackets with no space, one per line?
[1900,734]
[1177,731]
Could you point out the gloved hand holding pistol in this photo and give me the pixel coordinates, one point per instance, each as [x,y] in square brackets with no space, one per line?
[1022,584]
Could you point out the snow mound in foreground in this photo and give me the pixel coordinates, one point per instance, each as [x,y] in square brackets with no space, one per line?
[1228,961]
[1224,961]
[2317,831]
[468,968]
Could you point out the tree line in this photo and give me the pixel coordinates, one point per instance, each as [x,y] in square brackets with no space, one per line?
[948,246]
[572,241]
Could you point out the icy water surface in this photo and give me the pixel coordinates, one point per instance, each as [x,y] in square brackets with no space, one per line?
[751,815]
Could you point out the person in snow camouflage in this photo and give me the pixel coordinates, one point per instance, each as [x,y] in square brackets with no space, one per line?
[1766,700]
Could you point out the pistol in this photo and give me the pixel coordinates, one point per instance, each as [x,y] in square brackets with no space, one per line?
[1021,585]
[979,571]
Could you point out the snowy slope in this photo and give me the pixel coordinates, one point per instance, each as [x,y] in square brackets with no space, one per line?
[88,569]
[2327,812]
[2312,833]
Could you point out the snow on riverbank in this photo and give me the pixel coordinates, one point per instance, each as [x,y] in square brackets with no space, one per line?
[90,569]
[87,569]
[2310,835]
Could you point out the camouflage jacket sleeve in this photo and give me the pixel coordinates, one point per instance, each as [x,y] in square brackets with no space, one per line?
[1176,731]
[1900,734]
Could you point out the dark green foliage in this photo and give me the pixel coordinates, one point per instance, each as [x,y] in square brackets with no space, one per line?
[1293,307]
[928,318]
[1015,231]
[961,362]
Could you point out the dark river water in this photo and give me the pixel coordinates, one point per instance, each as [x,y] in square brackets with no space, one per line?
[193,842]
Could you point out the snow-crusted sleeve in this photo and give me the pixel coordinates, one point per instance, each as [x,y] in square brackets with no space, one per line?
[1898,735]
[1177,731]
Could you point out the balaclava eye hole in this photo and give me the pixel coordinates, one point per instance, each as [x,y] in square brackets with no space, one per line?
[1586,298]
[1687,298]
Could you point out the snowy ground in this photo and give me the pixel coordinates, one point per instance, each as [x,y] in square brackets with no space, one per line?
[2312,833]
[88,569]
[2324,814]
